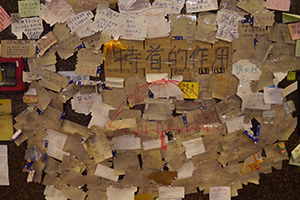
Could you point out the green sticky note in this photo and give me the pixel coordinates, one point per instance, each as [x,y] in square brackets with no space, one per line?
[29,8]
[291,76]
[287,18]
[297,50]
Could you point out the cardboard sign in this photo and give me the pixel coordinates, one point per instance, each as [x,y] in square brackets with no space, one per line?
[159,56]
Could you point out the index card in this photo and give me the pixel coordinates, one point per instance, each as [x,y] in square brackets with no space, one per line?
[171,192]
[5,20]
[106,172]
[220,193]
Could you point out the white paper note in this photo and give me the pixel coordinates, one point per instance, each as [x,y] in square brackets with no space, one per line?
[273,95]
[193,147]
[125,142]
[220,193]
[171,192]
[193,6]
[106,172]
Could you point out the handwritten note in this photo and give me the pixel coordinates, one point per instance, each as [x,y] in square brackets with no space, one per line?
[193,6]
[29,8]
[76,21]
[57,11]
[156,23]
[263,19]
[256,101]
[219,193]
[246,71]
[282,5]
[17,48]
[32,27]
[5,20]
[294,29]
[170,6]
[248,31]
[108,20]
[45,43]
[134,28]
[228,22]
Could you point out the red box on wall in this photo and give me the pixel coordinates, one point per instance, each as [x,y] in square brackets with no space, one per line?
[11,70]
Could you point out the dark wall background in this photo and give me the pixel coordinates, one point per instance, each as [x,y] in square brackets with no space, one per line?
[280,184]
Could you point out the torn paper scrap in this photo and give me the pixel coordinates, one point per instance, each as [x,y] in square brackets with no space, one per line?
[45,43]
[106,172]
[252,6]
[5,20]
[55,11]
[32,27]
[157,25]
[193,147]
[4,176]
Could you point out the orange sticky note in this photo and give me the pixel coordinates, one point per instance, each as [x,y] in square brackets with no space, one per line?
[294,29]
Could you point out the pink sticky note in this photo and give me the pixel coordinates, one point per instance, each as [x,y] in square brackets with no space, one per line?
[283,5]
[294,29]
[5,20]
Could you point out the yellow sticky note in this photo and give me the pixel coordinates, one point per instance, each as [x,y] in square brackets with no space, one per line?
[288,17]
[143,197]
[189,89]
[291,76]
[29,8]
[6,123]
[297,51]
